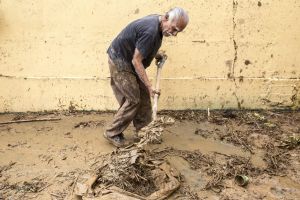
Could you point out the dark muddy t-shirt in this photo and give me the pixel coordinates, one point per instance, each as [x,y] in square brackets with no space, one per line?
[143,34]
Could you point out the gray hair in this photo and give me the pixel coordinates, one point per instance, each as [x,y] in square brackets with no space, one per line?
[176,14]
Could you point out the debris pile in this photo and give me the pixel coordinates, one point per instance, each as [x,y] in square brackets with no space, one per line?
[23,189]
[218,168]
[131,172]
[152,132]
[276,159]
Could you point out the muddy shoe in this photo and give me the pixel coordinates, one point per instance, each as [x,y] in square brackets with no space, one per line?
[118,140]
[136,139]
[139,134]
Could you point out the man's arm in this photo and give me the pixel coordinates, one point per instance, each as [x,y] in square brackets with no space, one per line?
[140,70]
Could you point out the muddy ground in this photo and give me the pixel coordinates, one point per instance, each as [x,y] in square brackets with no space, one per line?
[42,160]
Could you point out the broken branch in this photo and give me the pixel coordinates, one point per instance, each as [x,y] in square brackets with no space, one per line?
[31,120]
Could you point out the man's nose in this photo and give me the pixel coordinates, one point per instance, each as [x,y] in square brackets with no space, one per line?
[174,33]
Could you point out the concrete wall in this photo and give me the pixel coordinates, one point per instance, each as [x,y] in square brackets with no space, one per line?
[233,54]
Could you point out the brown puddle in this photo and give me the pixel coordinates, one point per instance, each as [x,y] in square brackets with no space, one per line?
[182,136]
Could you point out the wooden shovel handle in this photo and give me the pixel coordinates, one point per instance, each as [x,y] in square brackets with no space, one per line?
[157,81]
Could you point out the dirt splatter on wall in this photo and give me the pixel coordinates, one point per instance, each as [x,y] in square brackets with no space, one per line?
[233,54]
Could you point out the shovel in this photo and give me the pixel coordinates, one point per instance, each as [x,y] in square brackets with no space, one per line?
[152,131]
[155,98]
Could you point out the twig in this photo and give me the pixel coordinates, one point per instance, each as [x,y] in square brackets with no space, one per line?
[242,143]
[31,120]
[33,197]
[139,176]
[126,149]
[56,195]
[41,189]
[75,181]
[223,154]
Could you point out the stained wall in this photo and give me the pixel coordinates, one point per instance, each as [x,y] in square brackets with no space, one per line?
[233,54]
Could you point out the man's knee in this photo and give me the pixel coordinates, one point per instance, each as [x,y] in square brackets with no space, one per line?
[135,102]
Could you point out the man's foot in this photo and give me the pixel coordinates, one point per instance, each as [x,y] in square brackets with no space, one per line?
[139,134]
[136,138]
[118,140]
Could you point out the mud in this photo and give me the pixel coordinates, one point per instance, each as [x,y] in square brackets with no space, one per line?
[43,160]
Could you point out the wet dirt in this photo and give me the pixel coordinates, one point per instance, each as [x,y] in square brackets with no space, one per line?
[42,160]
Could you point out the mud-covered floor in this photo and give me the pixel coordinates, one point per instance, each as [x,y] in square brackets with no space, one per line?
[42,160]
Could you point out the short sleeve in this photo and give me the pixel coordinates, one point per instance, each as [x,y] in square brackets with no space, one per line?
[145,45]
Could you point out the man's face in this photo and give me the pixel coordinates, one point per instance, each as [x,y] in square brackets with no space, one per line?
[172,28]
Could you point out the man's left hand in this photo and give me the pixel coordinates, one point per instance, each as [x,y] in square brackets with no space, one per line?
[159,57]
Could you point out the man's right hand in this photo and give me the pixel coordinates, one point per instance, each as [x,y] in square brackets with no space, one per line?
[152,92]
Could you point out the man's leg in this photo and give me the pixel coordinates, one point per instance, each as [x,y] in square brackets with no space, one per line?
[127,92]
[144,113]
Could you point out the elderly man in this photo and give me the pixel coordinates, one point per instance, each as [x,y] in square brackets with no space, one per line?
[130,53]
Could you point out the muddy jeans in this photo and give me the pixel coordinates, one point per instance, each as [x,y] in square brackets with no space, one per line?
[133,98]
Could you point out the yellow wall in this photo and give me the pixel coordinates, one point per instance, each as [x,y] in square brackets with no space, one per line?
[52,53]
